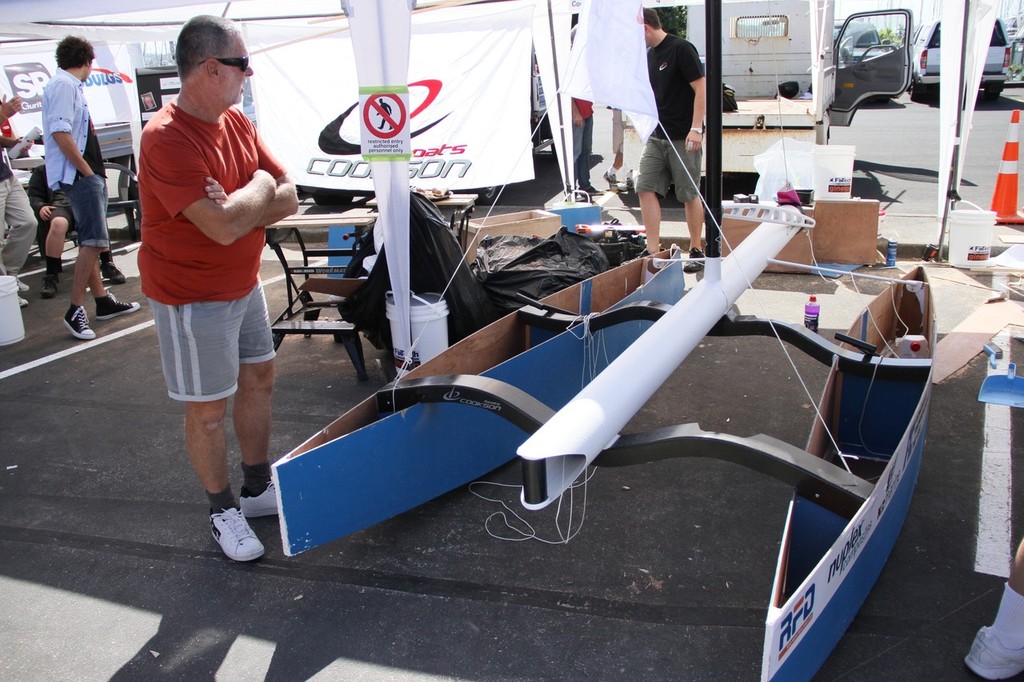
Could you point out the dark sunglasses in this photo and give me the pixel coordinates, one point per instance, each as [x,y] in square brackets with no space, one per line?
[241,62]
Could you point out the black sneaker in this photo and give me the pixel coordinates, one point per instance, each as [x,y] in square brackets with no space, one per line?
[108,307]
[77,323]
[111,274]
[694,265]
[49,289]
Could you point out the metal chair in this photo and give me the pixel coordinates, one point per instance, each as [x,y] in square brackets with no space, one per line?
[123,190]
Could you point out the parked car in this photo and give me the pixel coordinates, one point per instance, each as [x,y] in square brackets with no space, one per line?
[926,62]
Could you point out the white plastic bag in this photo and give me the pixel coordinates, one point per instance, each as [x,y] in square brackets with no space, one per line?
[787,160]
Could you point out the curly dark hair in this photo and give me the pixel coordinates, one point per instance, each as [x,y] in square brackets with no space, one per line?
[201,38]
[73,52]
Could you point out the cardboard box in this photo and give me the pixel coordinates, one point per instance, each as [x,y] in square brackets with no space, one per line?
[521,223]
[846,231]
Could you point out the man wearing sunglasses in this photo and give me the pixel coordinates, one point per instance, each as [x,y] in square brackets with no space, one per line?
[209,186]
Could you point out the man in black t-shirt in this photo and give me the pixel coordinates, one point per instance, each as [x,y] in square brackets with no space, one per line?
[673,154]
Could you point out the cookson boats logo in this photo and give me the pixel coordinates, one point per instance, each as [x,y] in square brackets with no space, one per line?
[427,162]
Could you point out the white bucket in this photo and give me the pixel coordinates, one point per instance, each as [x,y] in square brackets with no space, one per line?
[833,171]
[970,236]
[428,319]
[12,328]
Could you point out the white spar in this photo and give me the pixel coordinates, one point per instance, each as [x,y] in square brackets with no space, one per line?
[591,421]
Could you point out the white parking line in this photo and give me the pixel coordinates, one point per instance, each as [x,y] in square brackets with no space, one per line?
[89,345]
[994,546]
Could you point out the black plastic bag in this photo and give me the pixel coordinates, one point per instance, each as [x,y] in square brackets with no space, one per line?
[434,254]
[508,264]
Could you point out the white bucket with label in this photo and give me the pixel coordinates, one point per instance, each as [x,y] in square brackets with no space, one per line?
[12,327]
[970,236]
[428,320]
[833,171]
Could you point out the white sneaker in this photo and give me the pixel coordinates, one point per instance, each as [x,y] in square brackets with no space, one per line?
[234,536]
[609,176]
[21,285]
[22,302]
[988,657]
[264,504]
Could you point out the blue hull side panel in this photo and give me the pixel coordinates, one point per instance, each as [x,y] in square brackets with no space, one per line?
[811,630]
[411,457]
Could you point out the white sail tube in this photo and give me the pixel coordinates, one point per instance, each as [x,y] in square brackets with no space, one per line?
[591,421]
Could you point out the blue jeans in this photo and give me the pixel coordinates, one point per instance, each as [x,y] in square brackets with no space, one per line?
[583,145]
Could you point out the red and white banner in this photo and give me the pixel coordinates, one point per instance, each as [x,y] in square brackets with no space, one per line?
[468,100]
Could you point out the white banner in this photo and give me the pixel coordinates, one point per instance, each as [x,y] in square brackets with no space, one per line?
[469,101]
[109,89]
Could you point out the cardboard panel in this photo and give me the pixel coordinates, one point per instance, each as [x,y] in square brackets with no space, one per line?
[846,231]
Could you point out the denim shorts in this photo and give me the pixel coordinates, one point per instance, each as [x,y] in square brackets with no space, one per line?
[202,344]
[88,197]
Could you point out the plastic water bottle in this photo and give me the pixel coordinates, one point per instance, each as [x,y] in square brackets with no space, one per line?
[811,312]
[890,253]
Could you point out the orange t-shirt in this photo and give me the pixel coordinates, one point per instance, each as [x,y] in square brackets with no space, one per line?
[178,263]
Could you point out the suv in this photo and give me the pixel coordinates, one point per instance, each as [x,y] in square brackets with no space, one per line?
[926,62]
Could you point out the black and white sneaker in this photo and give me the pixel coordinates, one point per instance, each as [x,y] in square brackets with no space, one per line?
[695,265]
[236,539]
[264,504]
[111,273]
[108,307]
[78,323]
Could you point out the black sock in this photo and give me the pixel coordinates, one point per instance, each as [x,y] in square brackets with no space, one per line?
[225,499]
[256,478]
[105,258]
[53,265]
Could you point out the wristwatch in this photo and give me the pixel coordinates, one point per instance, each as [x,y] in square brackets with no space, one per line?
[699,131]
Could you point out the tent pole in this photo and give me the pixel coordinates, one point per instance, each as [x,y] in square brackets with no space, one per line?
[713,138]
[953,193]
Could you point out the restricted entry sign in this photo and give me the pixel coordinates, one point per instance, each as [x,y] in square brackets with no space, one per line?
[385,123]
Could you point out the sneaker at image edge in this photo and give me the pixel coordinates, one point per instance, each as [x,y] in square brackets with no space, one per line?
[21,285]
[49,289]
[264,504]
[693,265]
[108,307]
[988,657]
[236,539]
[110,273]
[77,323]
[22,302]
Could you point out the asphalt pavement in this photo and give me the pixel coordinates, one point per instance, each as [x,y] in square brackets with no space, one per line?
[107,569]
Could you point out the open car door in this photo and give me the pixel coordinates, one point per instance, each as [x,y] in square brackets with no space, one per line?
[872,55]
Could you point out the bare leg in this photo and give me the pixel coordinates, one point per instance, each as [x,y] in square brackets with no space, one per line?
[695,221]
[1016,581]
[55,237]
[251,412]
[87,273]
[206,443]
[650,213]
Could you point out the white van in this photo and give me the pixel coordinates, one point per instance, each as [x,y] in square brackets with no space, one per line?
[926,62]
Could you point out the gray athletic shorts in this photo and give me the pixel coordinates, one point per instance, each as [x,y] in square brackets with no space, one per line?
[660,167]
[202,344]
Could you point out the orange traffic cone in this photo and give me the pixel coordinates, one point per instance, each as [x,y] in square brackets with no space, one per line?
[1004,199]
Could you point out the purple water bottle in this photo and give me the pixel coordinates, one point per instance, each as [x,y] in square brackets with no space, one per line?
[811,312]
